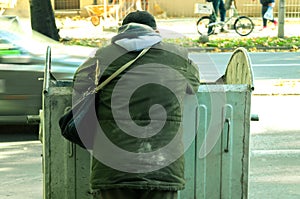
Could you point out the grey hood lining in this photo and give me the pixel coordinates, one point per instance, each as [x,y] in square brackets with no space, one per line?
[135,37]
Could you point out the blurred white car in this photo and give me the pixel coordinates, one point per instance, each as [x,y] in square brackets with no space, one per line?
[22,63]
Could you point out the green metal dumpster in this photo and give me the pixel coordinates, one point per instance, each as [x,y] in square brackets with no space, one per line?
[66,167]
[217,162]
[217,159]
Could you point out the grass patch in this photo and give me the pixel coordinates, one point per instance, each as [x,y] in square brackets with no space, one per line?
[251,44]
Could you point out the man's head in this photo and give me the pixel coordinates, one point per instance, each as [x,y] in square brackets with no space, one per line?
[141,17]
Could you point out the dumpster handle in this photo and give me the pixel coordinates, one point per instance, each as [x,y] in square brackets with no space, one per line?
[70,149]
[227,120]
[47,71]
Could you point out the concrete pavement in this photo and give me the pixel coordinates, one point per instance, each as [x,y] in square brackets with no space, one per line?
[171,28]
[21,170]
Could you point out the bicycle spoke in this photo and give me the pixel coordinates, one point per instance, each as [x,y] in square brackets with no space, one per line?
[203,26]
[243,26]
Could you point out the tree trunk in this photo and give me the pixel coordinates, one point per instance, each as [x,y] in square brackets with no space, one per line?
[42,18]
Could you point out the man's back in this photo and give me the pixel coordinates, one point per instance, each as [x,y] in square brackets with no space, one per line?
[139,145]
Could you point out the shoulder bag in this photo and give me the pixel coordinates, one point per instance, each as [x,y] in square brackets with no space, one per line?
[78,125]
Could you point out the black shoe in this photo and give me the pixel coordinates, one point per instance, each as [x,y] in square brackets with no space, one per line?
[224,31]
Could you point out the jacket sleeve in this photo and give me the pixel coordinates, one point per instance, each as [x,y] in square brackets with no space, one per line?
[84,77]
[193,77]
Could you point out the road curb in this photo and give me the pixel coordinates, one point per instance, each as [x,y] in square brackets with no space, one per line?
[277,87]
[260,49]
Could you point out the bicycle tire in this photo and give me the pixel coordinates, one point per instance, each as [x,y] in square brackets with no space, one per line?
[243,25]
[202,26]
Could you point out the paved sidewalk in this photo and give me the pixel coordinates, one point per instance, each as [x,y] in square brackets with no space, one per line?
[171,28]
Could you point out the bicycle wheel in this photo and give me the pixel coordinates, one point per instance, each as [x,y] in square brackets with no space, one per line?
[202,26]
[243,25]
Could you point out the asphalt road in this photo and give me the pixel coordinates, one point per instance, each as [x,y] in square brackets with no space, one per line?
[275,148]
[266,65]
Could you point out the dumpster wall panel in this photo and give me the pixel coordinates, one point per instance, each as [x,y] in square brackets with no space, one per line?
[66,167]
[190,126]
[54,153]
[189,191]
[208,176]
[83,160]
[235,161]
[223,172]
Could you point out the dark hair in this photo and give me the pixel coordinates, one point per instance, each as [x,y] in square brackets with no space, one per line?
[142,17]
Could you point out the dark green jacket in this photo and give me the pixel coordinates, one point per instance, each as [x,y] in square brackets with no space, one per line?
[140,111]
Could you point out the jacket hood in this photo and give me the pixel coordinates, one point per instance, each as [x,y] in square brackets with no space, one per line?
[135,37]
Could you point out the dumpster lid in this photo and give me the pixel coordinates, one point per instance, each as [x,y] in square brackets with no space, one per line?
[239,69]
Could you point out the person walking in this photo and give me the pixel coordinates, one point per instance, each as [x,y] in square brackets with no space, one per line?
[265,5]
[219,8]
[138,151]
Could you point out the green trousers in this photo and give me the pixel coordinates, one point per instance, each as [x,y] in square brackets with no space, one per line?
[135,194]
